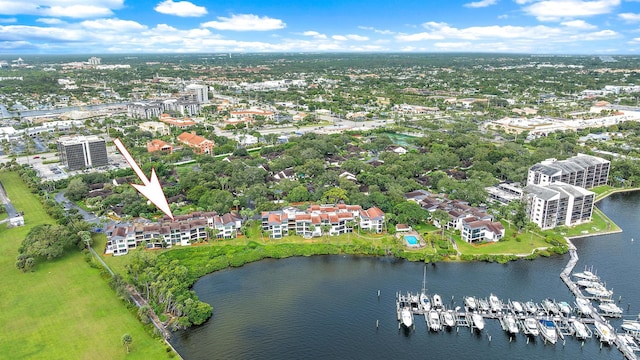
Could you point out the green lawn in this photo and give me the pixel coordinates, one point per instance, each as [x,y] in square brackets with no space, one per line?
[63,310]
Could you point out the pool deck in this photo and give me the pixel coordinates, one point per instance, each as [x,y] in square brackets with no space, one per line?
[421,243]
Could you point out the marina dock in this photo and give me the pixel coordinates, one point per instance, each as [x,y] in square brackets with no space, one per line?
[551,320]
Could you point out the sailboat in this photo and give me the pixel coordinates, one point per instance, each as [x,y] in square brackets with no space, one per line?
[425,303]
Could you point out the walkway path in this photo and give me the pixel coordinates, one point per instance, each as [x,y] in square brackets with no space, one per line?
[4,199]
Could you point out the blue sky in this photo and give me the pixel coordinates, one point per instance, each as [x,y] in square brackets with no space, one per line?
[161,26]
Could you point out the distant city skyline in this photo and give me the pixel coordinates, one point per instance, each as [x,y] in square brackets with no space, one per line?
[201,26]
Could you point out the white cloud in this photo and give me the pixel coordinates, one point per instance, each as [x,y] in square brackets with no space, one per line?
[8,20]
[180,8]
[116,25]
[60,8]
[50,21]
[349,37]
[579,24]
[525,37]
[629,17]
[246,22]
[481,3]
[314,34]
[377,31]
[555,10]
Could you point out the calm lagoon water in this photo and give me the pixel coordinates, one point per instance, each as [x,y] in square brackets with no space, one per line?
[326,307]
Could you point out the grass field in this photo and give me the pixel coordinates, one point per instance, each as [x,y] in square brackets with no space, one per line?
[63,310]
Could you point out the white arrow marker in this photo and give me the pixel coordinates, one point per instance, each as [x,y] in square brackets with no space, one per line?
[151,188]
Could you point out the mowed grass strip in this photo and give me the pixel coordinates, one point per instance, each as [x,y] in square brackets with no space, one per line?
[63,310]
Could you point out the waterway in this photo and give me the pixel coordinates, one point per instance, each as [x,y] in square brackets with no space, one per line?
[327,307]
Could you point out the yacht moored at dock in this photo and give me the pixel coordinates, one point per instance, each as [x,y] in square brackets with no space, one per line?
[530,327]
[584,306]
[548,330]
[433,319]
[581,331]
[478,321]
[532,308]
[470,303]
[436,302]
[448,318]
[605,332]
[509,324]
[495,304]
[610,309]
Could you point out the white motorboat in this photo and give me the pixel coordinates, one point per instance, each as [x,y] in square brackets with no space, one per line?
[530,326]
[433,318]
[631,326]
[588,283]
[587,275]
[509,324]
[550,306]
[478,321]
[425,303]
[580,330]
[470,303]
[437,302]
[495,303]
[517,307]
[564,307]
[447,318]
[407,317]
[610,308]
[483,305]
[600,292]
[583,306]
[605,332]
[531,307]
[414,302]
[548,330]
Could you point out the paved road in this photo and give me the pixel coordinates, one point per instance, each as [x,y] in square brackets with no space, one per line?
[67,204]
[4,199]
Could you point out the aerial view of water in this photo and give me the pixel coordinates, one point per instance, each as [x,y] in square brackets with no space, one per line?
[327,307]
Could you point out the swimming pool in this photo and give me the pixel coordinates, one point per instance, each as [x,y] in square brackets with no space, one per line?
[411,239]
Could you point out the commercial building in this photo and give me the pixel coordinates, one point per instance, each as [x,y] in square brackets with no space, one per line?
[558,204]
[155,127]
[581,170]
[201,92]
[80,152]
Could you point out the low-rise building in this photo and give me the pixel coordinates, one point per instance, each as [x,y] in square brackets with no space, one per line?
[196,142]
[185,230]
[155,127]
[319,219]
[159,145]
[475,230]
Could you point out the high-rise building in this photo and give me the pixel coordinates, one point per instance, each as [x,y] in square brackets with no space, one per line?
[80,152]
[581,170]
[94,60]
[201,92]
[558,204]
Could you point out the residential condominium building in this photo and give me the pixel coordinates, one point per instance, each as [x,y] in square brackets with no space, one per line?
[558,204]
[185,230]
[80,152]
[475,230]
[581,170]
[318,219]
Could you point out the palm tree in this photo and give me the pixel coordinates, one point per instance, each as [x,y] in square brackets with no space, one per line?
[325,229]
[126,341]
[442,217]
[350,224]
